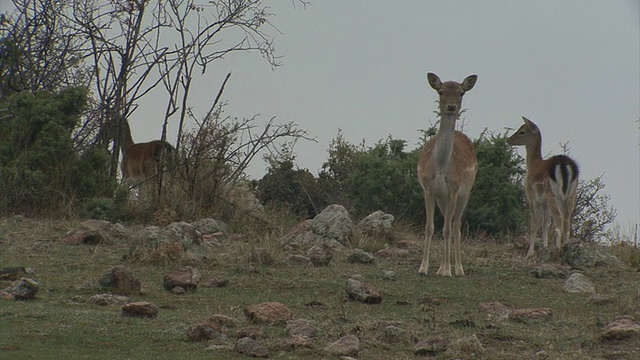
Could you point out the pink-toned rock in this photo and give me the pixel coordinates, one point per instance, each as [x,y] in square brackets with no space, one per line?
[530,315]
[268,312]
[204,332]
[185,277]
[362,291]
[622,328]
[140,309]
[410,245]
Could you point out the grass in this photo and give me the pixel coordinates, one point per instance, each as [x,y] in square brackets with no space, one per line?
[59,323]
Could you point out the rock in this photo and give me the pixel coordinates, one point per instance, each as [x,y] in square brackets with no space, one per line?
[377,225]
[140,309]
[108,299]
[550,271]
[297,342]
[622,328]
[469,346]
[253,332]
[185,233]
[364,292]
[584,255]
[531,315]
[93,232]
[301,327]
[495,310]
[268,312]
[600,299]
[204,332]
[12,273]
[21,289]
[333,222]
[360,256]
[394,334]
[294,235]
[185,277]
[210,226]
[346,346]
[222,321]
[120,281]
[248,346]
[578,283]
[430,346]
[389,275]
[320,255]
[214,281]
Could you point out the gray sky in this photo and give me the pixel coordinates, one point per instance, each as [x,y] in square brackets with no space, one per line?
[573,67]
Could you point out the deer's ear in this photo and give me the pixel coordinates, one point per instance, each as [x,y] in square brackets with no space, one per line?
[469,82]
[531,125]
[434,81]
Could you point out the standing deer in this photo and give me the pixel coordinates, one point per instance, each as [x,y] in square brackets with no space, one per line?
[550,186]
[142,161]
[446,171]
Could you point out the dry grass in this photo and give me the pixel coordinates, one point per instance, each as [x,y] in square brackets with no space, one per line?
[61,324]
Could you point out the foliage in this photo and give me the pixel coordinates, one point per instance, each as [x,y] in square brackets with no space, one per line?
[385,178]
[284,186]
[497,203]
[40,171]
[593,213]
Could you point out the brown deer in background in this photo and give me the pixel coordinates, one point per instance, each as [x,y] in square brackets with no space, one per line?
[142,161]
[550,185]
[446,171]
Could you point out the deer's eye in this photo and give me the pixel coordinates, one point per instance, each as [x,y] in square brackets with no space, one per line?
[461,93]
[440,92]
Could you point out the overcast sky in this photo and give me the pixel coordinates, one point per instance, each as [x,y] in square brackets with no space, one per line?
[573,67]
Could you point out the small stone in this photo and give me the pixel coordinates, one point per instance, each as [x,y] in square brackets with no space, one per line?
[253,332]
[346,346]
[215,281]
[622,328]
[186,277]
[530,315]
[140,309]
[430,346]
[205,332]
[389,275]
[250,347]
[360,256]
[578,283]
[301,327]
[362,291]
[297,342]
[21,289]
[269,312]
[108,299]
[320,255]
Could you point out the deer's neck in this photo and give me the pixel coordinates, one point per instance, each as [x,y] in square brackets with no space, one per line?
[534,152]
[125,136]
[446,136]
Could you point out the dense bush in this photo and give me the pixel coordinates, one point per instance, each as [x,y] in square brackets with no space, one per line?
[40,170]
